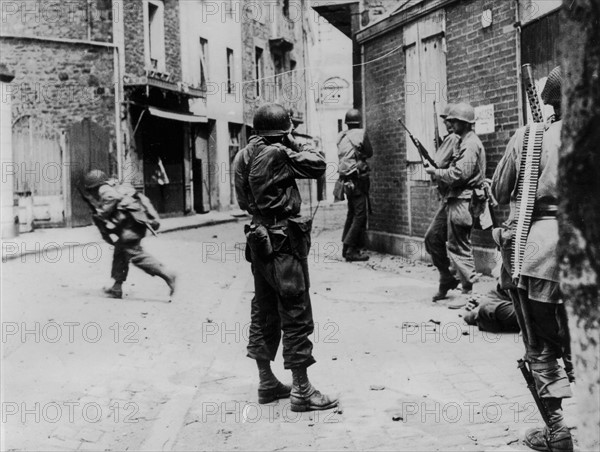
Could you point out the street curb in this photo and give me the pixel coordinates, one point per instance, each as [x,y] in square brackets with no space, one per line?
[77,245]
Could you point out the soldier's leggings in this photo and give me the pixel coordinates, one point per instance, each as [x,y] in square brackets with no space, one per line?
[356,219]
[281,303]
[550,378]
[133,252]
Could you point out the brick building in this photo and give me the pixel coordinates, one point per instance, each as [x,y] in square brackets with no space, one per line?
[151,91]
[442,51]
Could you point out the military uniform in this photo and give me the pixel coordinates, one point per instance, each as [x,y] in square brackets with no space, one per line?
[269,192]
[538,286]
[118,205]
[437,233]
[465,173]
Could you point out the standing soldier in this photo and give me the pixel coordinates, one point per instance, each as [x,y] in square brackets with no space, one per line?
[354,149]
[437,234]
[535,290]
[464,175]
[130,213]
[278,244]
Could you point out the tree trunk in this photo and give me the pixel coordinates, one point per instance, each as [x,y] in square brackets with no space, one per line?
[579,218]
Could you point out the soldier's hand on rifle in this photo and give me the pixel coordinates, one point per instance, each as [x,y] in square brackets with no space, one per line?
[428,168]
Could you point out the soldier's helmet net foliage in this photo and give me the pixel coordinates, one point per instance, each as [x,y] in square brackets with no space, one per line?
[94,179]
[462,112]
[551,94]
[353,116]
[272,120]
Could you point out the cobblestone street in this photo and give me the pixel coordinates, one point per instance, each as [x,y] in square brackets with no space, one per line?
[84,372]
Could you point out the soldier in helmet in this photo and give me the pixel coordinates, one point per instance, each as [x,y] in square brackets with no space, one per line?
[536,291]
[278,242]
[437,233]
[132,214]
[465,173]
[354,149]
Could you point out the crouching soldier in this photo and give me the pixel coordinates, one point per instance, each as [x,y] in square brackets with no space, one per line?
[123,215]
[278,244]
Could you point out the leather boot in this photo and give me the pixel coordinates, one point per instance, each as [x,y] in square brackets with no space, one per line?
[269,387]
[443,290]
[305,397]
[116,291]
[553,438]
[353,255]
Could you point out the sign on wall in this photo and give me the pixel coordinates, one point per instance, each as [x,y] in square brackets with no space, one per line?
[484,119]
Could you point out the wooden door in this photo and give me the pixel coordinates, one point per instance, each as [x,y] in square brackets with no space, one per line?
[89,147]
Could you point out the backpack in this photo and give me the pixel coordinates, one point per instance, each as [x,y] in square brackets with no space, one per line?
[349,145]
[137,206]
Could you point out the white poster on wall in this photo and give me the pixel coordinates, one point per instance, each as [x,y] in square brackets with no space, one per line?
[484,119]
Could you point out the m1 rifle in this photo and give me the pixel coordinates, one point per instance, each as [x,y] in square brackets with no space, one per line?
[422,151]
[531,385]
[106,227]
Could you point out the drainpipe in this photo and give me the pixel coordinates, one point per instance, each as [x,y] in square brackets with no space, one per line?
[10,228]
[119,64]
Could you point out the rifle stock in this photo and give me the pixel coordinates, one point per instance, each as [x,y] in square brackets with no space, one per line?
[422,151]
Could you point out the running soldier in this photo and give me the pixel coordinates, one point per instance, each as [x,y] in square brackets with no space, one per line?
[129,214]
[278,242]
[464,175]
[535,292]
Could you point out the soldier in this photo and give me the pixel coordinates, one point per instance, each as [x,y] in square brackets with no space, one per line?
[130,213]
[464,175]
[535,293]
[278,244]
[437,233]
[354,149]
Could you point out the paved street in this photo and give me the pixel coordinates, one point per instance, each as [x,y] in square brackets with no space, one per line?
[84,372]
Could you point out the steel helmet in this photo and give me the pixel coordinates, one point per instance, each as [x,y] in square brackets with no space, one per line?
[551,94]
[353,116]
[462,112]
[446,110]
[272,120]
[94,179]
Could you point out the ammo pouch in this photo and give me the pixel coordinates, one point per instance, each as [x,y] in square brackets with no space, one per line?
[259,242]
[477,203]
[290,261]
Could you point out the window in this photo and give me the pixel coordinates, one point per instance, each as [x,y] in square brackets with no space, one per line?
[258,69]
[155,37]
[203,57]
[230,69]
[286,8]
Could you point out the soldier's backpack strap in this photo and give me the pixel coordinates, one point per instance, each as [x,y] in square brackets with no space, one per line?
[529,172]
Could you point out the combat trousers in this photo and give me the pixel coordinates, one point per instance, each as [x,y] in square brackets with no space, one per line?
[356,219]
[497,317]
[448,241]
[550,330]
[273,311]
[134,252]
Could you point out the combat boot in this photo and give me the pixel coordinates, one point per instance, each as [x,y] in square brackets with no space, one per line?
[305,397]
[553,438]
[269,387]
[353,255]
[116,291]
[442,292]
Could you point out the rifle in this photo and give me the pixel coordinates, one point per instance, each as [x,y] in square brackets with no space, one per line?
[531,385]
[107,228]
[422,151]
[531,91]
[436,138]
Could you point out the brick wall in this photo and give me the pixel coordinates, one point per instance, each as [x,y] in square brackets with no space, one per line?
[481,70]
[134,38]
[38,90]
[52,19]
[384,102]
